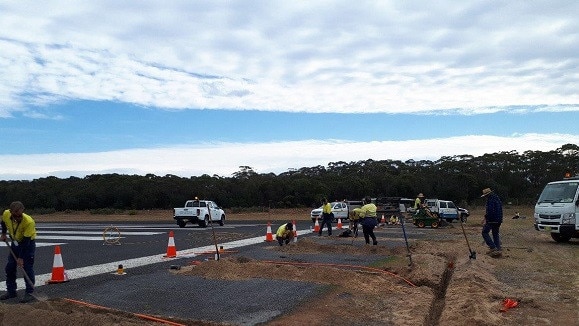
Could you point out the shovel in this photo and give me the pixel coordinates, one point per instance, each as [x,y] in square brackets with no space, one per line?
[37,296]
[472,253]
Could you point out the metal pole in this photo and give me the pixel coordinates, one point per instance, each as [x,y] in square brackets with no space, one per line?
[406,240]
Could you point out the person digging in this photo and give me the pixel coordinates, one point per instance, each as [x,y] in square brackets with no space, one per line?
[22,230]
[285,233]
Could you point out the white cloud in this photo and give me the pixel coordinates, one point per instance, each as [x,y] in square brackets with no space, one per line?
[225,158]
[317,56]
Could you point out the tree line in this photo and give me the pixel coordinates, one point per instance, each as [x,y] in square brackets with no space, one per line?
[517,178]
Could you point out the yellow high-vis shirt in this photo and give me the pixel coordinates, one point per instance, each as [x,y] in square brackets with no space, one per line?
[26,227]
[327,208]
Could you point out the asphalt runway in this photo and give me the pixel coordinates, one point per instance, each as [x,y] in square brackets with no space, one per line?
[149,286]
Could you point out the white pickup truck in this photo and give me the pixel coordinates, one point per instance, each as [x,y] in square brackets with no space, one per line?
[340,209]
[198,211]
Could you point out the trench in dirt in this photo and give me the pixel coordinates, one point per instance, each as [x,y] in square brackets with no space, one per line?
[439,300]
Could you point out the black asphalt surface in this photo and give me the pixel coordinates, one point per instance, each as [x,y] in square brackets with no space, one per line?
[156,290]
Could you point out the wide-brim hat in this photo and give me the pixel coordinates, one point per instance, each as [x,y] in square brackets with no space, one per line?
[420,195]
[486,191]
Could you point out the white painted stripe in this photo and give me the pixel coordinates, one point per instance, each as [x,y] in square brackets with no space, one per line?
[49,244]
[69,237]
[136,226]
[96,232]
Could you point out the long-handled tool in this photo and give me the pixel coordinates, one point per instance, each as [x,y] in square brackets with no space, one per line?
[402,218]
[37,296]
[472,253]
[213,231]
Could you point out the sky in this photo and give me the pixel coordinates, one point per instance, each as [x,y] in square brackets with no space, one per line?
[189,88]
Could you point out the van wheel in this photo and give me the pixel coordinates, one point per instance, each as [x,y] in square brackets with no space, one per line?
[222,221]
[449,220]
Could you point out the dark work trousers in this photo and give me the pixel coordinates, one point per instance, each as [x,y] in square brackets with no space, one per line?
[355,227]
[326,221]
[369,233]
[11,267]
[285,239]
[495,242]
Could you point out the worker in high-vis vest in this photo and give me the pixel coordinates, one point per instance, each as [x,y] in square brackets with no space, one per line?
[285,233]
[22,230]
[327,217]
[369,220]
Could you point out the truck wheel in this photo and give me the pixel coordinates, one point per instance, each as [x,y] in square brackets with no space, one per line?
[420,224]
[449,220]
[222,221]
[205,221]
[434,225]
[560,238]
[181,223]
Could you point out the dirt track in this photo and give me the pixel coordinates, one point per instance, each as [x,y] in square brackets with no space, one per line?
[444,286]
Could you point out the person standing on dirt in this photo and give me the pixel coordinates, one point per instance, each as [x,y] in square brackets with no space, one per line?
[492,222]
[327,217]
[369,220]
[284,233]
[22,230]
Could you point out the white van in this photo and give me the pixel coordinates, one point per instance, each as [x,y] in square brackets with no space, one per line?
[557,208]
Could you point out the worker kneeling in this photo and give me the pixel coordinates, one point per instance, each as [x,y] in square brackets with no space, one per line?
[285,233]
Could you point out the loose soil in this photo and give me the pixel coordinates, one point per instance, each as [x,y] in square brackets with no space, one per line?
[442,286]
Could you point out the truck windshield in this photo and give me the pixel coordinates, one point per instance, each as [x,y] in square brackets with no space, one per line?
[559,193]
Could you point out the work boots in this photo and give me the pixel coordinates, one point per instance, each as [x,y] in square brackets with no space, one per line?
[7,296]
[27,298]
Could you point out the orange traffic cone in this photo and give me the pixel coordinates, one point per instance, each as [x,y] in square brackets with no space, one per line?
[171,249]
[339,227]
[317,226]
[295,231]
[383,220]
[268,235]
[58,273]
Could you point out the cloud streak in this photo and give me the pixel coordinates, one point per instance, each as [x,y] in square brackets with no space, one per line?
[225,158]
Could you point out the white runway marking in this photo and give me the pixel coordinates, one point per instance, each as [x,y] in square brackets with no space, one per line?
[70,238]
[96,232]
[135,262]
[50,244]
